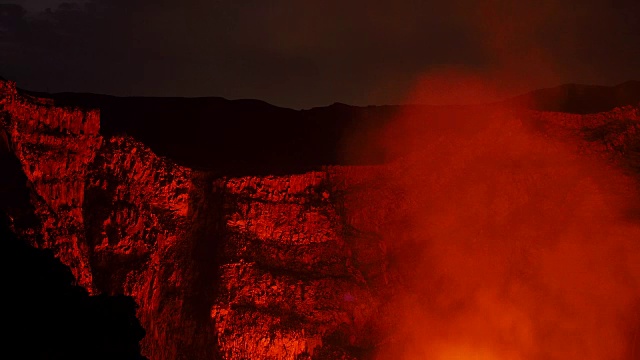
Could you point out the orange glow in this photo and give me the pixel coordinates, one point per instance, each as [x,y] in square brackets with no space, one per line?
[511,245]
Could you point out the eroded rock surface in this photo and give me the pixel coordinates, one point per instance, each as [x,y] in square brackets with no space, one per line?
[269,267]
[235,268]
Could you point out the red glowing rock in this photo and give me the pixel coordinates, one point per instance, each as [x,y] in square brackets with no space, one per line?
[269,267]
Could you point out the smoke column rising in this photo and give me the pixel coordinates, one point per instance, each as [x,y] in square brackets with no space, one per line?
[511,245]
[508,243]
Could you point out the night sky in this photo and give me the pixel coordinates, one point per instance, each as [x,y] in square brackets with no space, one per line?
[309,53]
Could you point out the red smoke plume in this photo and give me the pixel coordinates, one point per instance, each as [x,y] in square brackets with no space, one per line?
[508,244]
[511,245]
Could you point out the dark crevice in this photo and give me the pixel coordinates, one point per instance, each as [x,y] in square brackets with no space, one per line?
[46,315]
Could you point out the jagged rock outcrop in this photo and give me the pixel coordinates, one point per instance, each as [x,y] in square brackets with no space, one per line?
[288,284]
[46,313]
[55,146]
[255,267]
[47,316]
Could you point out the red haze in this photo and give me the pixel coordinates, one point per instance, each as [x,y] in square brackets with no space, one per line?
[511,245]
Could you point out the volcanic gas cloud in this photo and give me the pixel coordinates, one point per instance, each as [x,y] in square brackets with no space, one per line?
[512,244]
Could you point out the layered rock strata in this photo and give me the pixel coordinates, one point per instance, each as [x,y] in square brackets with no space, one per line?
[269,267]
[254,267]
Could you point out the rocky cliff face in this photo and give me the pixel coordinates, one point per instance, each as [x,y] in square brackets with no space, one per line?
[269,267]
[254,267]
[55,147]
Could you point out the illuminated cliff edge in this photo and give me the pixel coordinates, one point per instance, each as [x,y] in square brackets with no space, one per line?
[249,267]
[270,267]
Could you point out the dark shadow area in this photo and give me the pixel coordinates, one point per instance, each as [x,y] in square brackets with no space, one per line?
[580,99]
[233,137]
[45,315]
[205,256]
[252,137]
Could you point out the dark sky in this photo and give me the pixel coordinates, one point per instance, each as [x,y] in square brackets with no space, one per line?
[305,53]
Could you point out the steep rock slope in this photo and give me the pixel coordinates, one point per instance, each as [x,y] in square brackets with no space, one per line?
[256,267]
[55,147]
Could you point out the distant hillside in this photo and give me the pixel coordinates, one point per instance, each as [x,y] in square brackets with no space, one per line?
[238,137]
[580,99]
[233,137]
